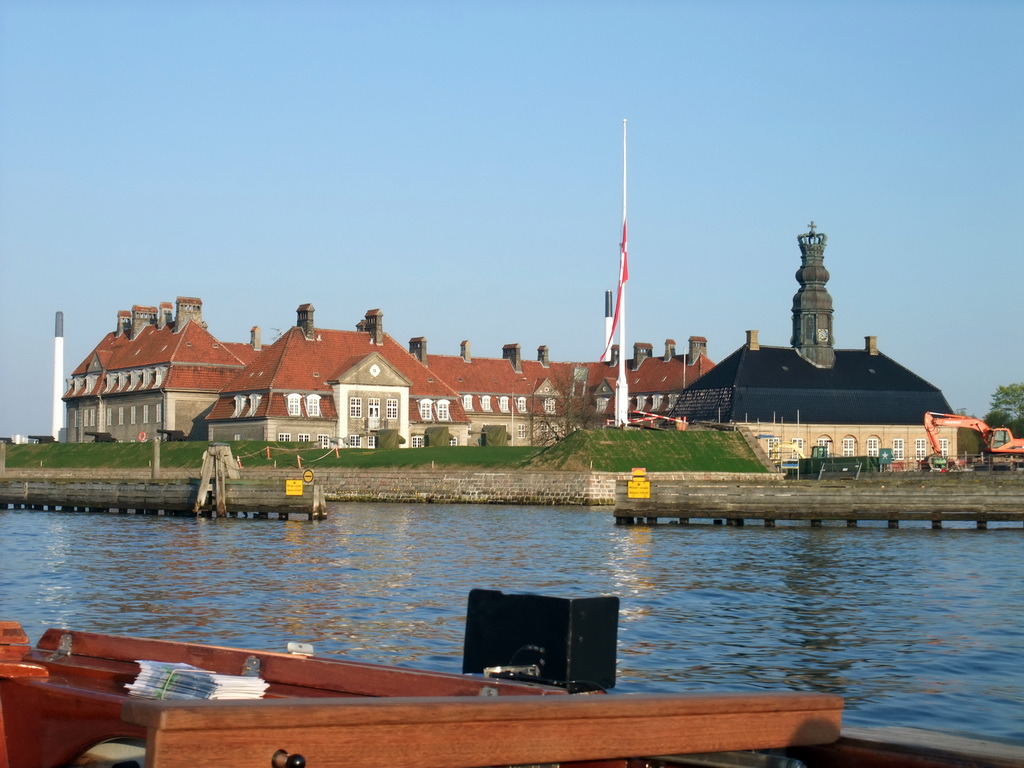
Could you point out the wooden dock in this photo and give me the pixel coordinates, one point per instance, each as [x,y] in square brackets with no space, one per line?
[890,498]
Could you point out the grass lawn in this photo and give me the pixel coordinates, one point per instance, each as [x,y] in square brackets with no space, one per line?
[603,450]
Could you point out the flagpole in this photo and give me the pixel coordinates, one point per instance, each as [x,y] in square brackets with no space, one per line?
[621,386]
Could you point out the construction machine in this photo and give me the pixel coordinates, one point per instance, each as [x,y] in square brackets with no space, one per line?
[995,441]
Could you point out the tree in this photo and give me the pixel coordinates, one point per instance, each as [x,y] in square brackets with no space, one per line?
[1009,398]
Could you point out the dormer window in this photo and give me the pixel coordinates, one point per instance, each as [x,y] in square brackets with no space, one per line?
[147,378]
[443,413]
[239,406]
[159,379]
[485,402]
[467,402]
[110,382]
[503,403]
[426,410]
[549,405]
[255,403]
[294,404]
[521,404]
[312,405]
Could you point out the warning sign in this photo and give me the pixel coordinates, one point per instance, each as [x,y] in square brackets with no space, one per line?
[638,489]
[293,487]
[307,476]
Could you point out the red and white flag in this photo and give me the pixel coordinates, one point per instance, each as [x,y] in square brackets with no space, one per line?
[623,277]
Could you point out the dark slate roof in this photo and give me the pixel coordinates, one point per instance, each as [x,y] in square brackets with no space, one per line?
[776,384]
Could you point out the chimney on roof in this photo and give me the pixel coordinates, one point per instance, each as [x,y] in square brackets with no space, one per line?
[254,338]
[124,322]
[613,360]
[464,351]
[375,326]
[698,347]
[187,309]
[670,349]
[141,317]
[511,353]
[304,320]
[165,315]
[641,351]
[752,343]
[871,345]
[542,355]
[418,349]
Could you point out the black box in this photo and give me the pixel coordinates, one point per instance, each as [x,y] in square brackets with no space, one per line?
[572,640]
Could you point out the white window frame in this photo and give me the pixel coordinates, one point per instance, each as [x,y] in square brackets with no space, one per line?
[284,437]
[467,402]
[145,414]
[371,441]
[120,415]
[313,405]
[521,404]
[898,449]
[355,441]
[921,447]
[520,432]
[872,445]
[849,446]
[391,408]
[944,445]
[549,405]
[426,408]
[294,401]
[324,440]
[443,411]
[302,437]
[485,402]
[131,414]
[417,441]
[355,407]
[255,400]
[240,401]
[503,403]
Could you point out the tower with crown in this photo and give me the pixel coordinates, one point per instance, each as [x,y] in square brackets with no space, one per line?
[812,304]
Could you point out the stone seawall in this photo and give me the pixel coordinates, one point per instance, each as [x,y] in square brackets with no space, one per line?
[451,486]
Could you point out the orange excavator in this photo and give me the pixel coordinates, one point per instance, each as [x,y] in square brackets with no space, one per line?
[998,441]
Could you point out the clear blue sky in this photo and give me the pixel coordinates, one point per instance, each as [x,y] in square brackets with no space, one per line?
[458,165]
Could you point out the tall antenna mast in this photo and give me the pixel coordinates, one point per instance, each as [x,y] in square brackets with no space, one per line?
[621,385]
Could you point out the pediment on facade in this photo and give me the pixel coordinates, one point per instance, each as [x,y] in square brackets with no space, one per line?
[604,389]
[374,370]
[546,388]
[95,364]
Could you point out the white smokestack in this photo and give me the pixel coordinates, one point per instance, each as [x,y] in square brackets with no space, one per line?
[607,325]
[58,375]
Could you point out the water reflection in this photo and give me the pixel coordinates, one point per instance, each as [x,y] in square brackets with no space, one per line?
[918,627]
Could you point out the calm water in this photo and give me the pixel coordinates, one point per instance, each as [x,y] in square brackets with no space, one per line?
[913,626]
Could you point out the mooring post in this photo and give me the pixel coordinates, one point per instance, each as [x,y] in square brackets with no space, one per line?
[156,458]
[3,458]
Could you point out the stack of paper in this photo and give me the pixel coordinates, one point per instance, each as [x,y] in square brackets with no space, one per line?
[167,680]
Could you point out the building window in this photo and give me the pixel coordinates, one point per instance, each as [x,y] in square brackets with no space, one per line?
[355,407]
[284,437]
[294,404]
[453,442]
[303,438]
[355,441]
[520,432]
[145,414]
[110,416]
[898,448]
[417,441]
[255,400]
[110,382]
[324,440]
[656,402]
[521,404]
[159,412]
[371,441]
[239,406]
[503,403]
[872,446]
[391,408]
[849,446]
[485,402]
[443,414]
[425,410]
[920,447]
[312,405]
[467,402]
[373,412]
[602,404]
[120,416]
[549,405]
[825,443]
[772,444]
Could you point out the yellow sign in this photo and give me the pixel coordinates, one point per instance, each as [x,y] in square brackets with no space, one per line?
[639,473]
[638,489]
[307,476]
[292,487]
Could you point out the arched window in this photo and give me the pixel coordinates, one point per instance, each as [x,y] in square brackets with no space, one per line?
[426,410]
[312,405]
[294,404]
[467,402]
[443,414]
[503,403]
[239,406]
